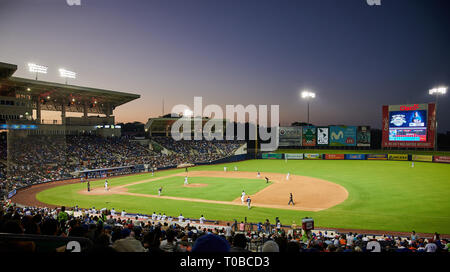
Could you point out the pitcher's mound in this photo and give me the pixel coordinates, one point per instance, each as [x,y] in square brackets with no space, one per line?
[196,185]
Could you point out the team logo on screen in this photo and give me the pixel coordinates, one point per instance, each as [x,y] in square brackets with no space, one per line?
[398,120]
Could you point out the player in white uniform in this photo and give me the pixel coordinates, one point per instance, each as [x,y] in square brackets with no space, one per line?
[412,164]
[154,216]
[235,168]
[224,168]
[186,180]
[106,185]
[287,176]
[123,213]
[163,217]
[202,219]
[113,212]
[180,218]
[158,217]
[242,196]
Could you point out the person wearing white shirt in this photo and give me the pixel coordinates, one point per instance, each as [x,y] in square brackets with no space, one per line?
[123,214]
[154,216]
[287,176]
[170,219]
[164,217]
[431,247]
[224,168]
[202,219]
[235,168]
[158,217]
[180,218]
[113,212]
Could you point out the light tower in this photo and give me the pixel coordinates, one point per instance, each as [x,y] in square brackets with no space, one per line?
[308,95]
[436,92]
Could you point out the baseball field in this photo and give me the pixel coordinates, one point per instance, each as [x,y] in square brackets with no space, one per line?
[367,195]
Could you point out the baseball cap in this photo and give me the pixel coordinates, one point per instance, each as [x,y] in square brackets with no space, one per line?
[211,243]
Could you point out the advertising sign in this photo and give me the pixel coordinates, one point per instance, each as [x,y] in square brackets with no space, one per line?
[290,136]
[293,156]
[445,159]
[363,136]
[272,156]
[377,156]
[309,136]
[355,156]
[323,136]
[312,156]
[409,126]
[334,156]
[424,158]
[342,136]
[398,157]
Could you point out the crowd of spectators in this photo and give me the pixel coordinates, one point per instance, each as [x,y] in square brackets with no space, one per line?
[35,159]
[142,234]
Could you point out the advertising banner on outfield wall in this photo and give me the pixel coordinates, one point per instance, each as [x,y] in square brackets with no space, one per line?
[312,156]
[398,157]
[424,158]
[342,136]
[323,136]
[355,156]
[334,156]
[363,136]
[272,156]
[445,159]
[293,156]
[377,156]
[290,136]
[309,136]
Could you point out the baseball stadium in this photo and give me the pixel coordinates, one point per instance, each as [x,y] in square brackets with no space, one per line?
[217,127]
[320,180]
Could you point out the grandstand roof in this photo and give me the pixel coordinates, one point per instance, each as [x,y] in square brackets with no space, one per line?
[59,93]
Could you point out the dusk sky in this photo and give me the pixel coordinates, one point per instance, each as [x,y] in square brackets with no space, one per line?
[355,57]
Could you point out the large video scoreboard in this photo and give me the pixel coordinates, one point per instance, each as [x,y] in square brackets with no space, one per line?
[409,125]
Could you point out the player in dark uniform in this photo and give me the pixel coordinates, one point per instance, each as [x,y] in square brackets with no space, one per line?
[186,169]
[267,179]
[291,200]
[89,186]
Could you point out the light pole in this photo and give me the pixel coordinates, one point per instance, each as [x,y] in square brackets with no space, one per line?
[307,95]
[436,92]
[38,69]
[67,74]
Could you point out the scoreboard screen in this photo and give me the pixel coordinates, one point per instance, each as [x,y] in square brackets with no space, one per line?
[408,125]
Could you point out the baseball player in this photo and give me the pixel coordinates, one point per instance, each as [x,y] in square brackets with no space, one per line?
[158,217]
[113,212]
[202,219]
[291,200]
[180,218]
[106,185]
[235,168]
[89,186]
[248,202]
[153,171]
[412,164]
[170,219]
[242,196]
[186,180]
[123,213]
[258,175]
[224,168]
[267,179]
[154,216]
[159,191]
[287,176]
[163,217]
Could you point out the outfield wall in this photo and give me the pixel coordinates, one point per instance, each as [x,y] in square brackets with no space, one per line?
[349,156]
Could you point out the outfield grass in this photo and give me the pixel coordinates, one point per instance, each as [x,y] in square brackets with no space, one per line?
[225,189]
[383,195]
[350,151]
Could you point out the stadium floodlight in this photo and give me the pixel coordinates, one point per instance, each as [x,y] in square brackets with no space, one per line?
[38,69]
[307,95]
[436,92]
[188,113]
[67,74]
